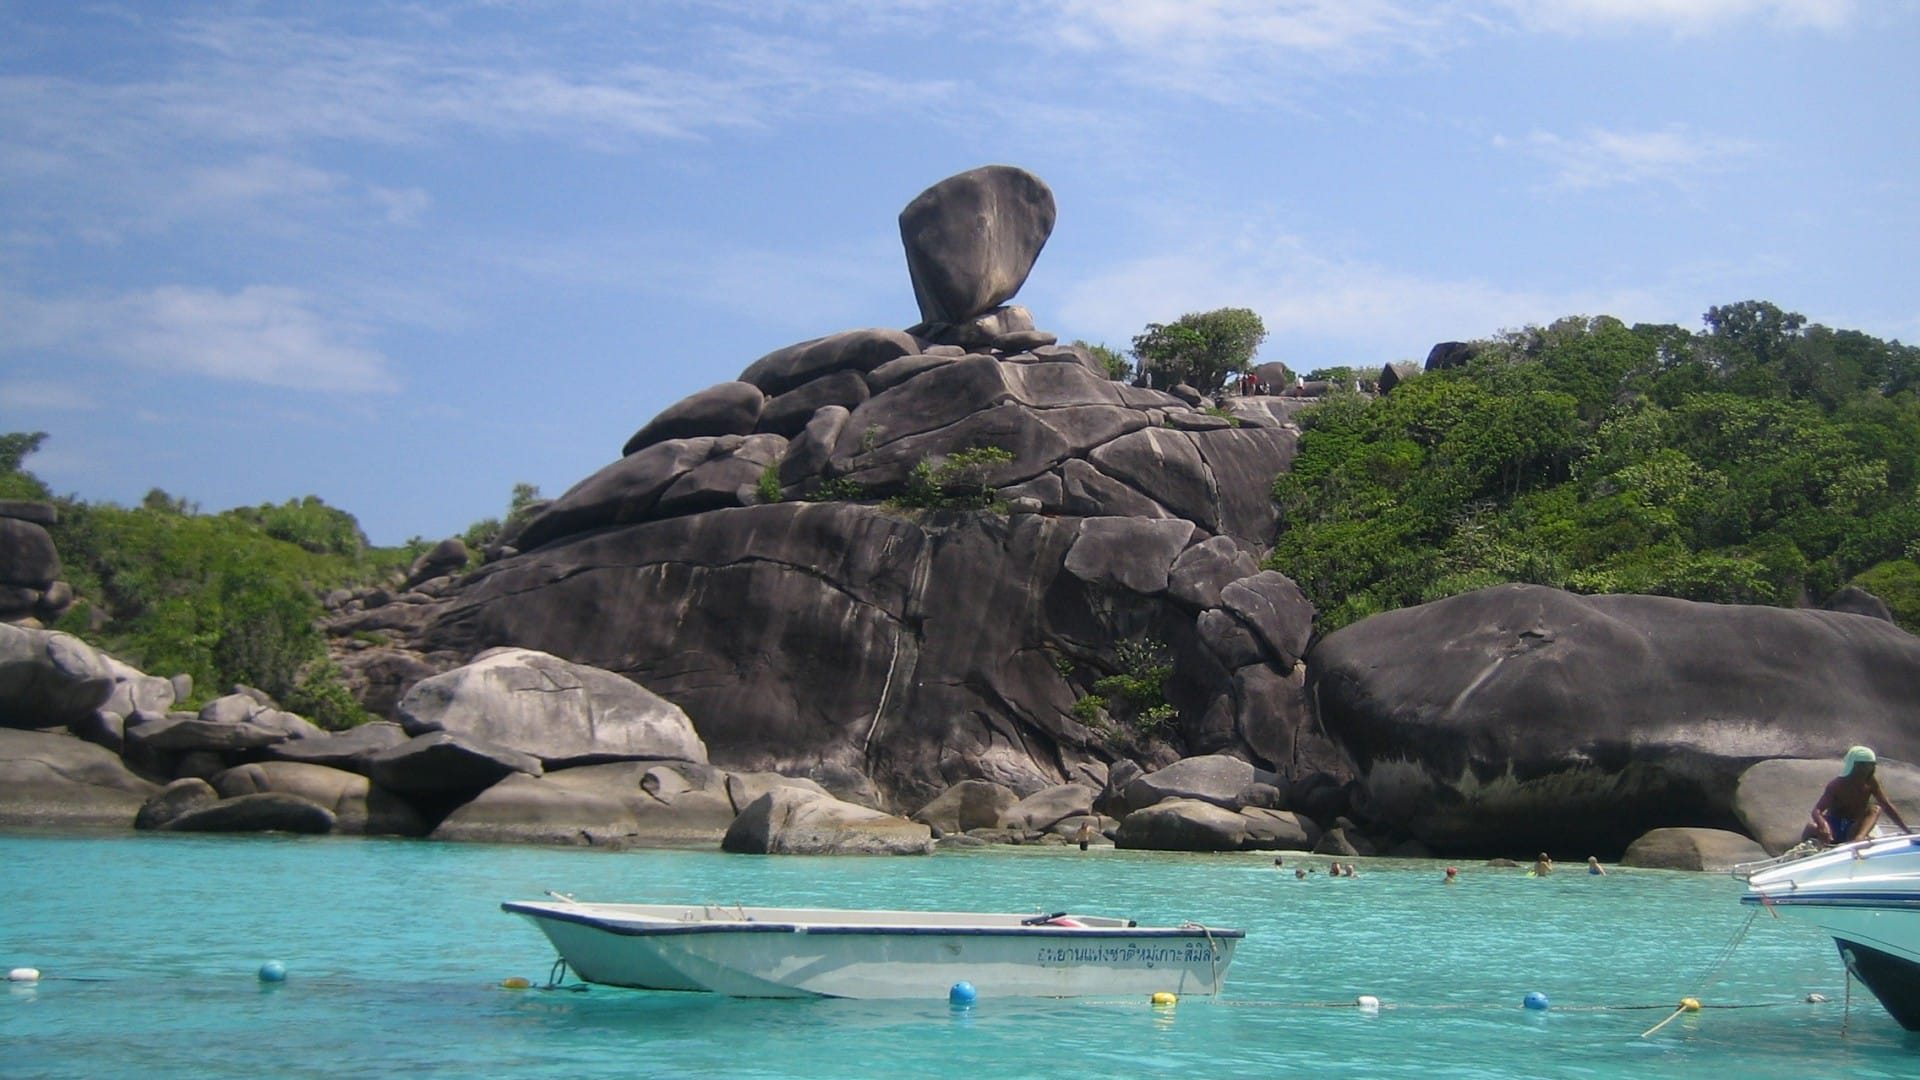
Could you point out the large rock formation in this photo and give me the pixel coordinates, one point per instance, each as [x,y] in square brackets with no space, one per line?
[1526,718]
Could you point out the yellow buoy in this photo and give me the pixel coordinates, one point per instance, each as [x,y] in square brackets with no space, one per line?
[1165,998]
[515,983]
[1690,1004]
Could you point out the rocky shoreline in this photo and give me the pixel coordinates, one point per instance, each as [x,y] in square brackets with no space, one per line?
[891,589]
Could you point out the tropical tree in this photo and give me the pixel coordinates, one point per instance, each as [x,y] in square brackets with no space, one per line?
[1200,348]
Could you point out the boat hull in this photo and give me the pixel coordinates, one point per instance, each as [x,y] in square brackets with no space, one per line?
[1866,896]
[876,955]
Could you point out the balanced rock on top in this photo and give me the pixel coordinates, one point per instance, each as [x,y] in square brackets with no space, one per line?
[971,239]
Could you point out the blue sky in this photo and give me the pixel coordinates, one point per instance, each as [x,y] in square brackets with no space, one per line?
[402,256]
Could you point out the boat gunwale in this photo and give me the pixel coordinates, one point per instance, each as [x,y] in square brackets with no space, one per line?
[613,925]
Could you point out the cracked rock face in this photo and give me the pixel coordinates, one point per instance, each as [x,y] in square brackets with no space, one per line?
[1518,716]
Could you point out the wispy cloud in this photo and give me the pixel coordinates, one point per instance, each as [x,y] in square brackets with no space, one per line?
[261,334]
[44,394]
[1598,158]
[1681,18]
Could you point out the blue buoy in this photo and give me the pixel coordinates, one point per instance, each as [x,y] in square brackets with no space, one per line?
[962,995]
[1536,1000]
[273,971]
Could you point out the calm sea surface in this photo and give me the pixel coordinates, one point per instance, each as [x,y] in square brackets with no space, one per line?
[395,951]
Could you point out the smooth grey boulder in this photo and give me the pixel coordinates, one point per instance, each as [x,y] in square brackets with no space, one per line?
[27,554]
[1128,553]
[560,712]
[1276,611]
[293,725]
[1525,718]
[350,749]
[1219,480]
[728,479]
[177,799]
[1215,778]
[1049,806]
[446,557]
[744,788]
[187,732]
[525,809]
[270,812]
[1182,825]
[789,413]
[1204,569]
[358,805]
[40,513]
[228,709]
[805,461]
[1711,850]
[728,408]
[1860,602]
[969,804]
[625,491]
[49,679]
[446,763]
[657,804]
[852,350]
[971,240]
[56,779]
[102,728]
[136,691]
[1278,830]
[793,821]
[1344,841]
[1774,799]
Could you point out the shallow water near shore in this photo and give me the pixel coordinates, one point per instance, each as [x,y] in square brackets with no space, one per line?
[395,951]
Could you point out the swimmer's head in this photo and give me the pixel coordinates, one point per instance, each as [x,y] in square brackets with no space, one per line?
[1856,757]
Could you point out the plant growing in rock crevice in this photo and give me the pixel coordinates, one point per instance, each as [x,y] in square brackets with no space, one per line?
[1136,694]
[959,481]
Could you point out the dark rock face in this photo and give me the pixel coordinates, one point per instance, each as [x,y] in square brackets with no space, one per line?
[1860,602]
[885,658]
[1449,354]
[446,764]
[971,240]
[1526,718]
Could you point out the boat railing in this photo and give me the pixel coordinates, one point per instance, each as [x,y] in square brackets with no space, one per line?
[1804,849]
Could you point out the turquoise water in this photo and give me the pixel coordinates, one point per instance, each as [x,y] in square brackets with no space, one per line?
[395,952]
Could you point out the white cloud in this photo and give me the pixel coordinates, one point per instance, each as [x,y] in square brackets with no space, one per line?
[1599,158]
[260,334]
[45,394]
[401,206]
[1350,311]
[1682,18]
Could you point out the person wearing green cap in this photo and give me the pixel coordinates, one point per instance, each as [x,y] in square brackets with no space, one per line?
[1850,806]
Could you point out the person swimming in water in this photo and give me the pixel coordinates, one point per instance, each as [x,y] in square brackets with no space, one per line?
[1850,806]
[1593,865]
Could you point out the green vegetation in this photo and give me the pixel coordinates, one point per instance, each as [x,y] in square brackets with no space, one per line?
[484,533]
[1136,694]
[1117,366]
[1200,348]
[838,489]
[958,481]
[1764,461]
[768,486]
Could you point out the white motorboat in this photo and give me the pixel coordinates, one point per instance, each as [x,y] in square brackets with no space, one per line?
[824,952]
[1866,896]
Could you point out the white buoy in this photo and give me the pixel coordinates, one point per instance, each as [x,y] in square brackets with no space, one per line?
[24,975]
[1368,1003]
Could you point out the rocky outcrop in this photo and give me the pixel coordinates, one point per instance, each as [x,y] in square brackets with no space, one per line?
[1522,717]
[971,240]
[1711,850]
[56,779]
[30,585]
[357,804]
[562,713]
[793,821]
[269,812]
[50,679]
